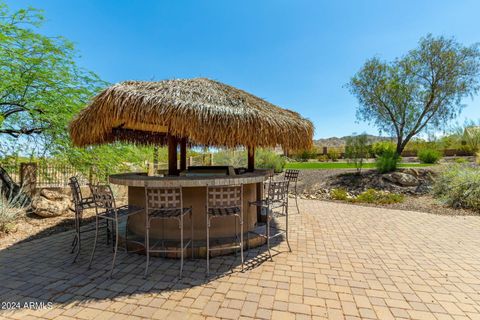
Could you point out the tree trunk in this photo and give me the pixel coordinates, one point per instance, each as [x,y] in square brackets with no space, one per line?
[401,144]
[12,191]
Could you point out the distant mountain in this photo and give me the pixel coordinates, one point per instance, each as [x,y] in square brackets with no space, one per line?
[336,142]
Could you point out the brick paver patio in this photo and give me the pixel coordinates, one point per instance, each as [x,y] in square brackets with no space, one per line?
[347,262]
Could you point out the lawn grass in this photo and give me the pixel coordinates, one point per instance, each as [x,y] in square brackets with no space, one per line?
[343,165]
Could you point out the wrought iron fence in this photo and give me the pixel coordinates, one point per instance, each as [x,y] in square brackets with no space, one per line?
[45,174]
[51,175]
[57,175]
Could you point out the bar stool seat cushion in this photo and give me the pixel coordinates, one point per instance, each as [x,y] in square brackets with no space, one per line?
[168,212]
[228,211]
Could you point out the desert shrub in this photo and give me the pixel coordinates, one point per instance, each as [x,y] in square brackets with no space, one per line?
[264,158]
[387,162]
[383,147]
[323,158]
[10,209]
[268,159]
[458,185]
[339,194]
[429,155]
[386,157]
[368,196]
[471,136]
[356,150]
[236,158]
[416,145]
[461,160]
[304,155]
[378,197]
[333,154]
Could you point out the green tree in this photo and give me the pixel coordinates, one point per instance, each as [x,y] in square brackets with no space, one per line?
[357,150]
[423,89]
[471,135]
[41,87]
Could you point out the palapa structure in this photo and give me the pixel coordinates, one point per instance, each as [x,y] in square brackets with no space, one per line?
[194,111]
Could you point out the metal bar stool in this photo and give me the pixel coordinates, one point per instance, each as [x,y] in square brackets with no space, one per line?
[166,203]
[80,203]
[225,201]
[106,208]
[277,197]
[292,176]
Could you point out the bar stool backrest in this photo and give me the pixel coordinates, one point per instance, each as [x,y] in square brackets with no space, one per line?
[76,191]
[103,197]
[224,196]
[163,198]
[292,175]
[277,190]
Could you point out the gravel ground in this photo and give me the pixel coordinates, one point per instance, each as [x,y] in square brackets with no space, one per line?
[31,226]
[312,180]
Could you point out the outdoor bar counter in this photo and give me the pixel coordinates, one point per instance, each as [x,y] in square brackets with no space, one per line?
[194,195]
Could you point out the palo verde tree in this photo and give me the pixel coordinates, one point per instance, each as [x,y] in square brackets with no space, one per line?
[423,89]
[41,87]
[357,150]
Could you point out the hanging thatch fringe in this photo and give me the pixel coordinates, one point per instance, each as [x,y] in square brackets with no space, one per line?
[207,112]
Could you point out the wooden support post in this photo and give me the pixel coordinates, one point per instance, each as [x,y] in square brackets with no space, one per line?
[172,156]
[210,159]
[251,159]
[28,177]
[183,154]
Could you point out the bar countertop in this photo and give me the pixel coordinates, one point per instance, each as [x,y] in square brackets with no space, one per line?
[141,179]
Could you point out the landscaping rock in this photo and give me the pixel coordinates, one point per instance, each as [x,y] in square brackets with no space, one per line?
[318,184]
[51,203]
[403,179]
[52,195]
[412,171]
[46,208]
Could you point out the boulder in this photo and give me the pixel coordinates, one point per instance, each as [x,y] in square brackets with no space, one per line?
[47,208]
[411,171]
[52,195]
[402,179]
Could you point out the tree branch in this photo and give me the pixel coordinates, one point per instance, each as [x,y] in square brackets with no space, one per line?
[23,131]
[11,111]
[390,113]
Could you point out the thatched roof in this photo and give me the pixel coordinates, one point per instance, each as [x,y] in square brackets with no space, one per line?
[204,111]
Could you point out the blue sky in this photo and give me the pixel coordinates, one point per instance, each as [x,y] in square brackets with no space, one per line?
[296,54]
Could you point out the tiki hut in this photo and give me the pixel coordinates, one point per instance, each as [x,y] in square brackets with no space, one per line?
[188,111]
